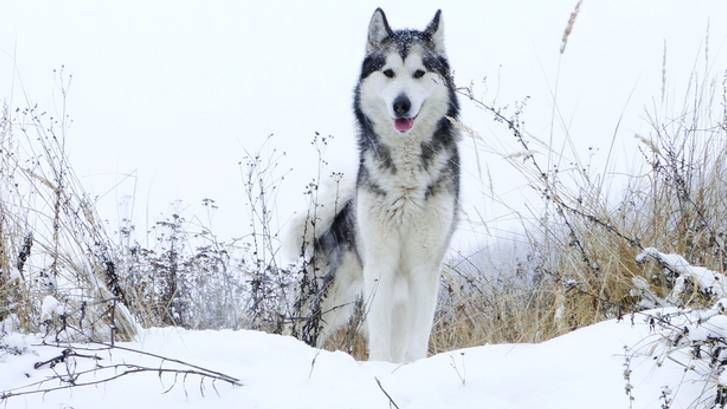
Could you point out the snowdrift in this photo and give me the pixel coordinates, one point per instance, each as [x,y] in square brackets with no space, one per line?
[583,369]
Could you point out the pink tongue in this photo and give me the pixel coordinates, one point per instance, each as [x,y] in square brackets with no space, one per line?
[403,124]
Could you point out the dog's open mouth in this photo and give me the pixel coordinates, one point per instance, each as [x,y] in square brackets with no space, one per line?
[403,124]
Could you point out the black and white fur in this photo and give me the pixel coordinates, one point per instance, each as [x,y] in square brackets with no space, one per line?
[384,239]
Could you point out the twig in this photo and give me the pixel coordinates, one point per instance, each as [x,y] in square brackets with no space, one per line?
[391,401]
[128,369]
[70,380]
[108,346]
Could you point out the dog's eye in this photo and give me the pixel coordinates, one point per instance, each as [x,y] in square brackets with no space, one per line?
[419,73]
[389,73]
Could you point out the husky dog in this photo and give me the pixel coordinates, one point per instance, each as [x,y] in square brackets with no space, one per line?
[383,240]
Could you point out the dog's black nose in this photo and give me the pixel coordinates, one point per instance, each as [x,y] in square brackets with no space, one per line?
[401,106]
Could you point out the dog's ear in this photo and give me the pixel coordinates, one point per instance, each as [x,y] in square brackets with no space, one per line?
[378,30]
[435,31]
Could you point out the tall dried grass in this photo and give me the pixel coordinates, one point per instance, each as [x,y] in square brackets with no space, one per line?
[676,202]
[53,244]
[578,268]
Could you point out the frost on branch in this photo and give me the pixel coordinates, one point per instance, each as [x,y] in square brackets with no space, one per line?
[710,284]
[695,338]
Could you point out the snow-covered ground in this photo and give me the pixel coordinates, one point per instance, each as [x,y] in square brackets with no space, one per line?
[583,369]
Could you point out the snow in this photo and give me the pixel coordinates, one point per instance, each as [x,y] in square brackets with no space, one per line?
[13,343]
[708,280]
[9,324]
[152,104]
[714,327]
[50,308]
[582,369]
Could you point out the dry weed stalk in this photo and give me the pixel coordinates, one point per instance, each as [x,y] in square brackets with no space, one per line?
[569,26]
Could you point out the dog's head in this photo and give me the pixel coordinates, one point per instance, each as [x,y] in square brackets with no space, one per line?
[405,81]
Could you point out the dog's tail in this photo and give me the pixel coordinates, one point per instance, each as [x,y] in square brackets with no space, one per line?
[323,238]
[307,226]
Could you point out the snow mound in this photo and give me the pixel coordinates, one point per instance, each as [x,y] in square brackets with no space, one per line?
[583,369]
[51,308]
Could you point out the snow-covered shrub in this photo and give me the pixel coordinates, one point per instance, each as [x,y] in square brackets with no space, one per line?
[681,276]
[52,242]
[190,278]
[11,340]
[695,338]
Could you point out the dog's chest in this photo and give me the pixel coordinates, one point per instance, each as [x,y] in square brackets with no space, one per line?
[401,191]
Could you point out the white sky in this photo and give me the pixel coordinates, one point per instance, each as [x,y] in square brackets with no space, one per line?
[171,92]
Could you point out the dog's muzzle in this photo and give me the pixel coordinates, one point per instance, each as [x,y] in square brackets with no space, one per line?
[402,106]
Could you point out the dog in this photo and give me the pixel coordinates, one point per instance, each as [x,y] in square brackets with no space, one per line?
[381,240]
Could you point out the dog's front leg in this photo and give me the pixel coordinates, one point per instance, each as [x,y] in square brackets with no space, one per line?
[423,287]
[379,297]
[379,248]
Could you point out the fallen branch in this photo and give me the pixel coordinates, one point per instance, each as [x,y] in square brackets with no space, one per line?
[76,379]
[391,401]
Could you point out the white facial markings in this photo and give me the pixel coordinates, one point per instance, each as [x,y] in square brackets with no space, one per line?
[404,83]
[428,94]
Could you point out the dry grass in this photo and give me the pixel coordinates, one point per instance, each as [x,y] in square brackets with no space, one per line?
[569,27]
[676,202]
[52,241]
[578,269]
